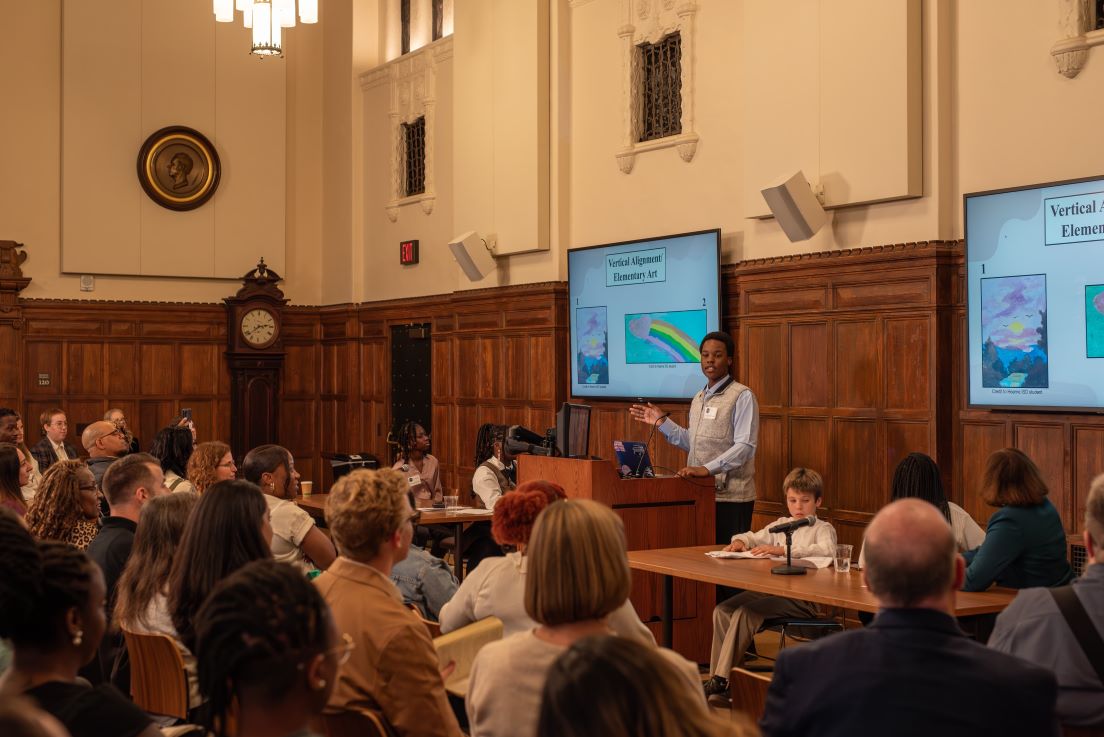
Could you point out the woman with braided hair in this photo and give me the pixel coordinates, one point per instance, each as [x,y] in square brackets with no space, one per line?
[416,462]
[52,600]
[267,647]
[66,506]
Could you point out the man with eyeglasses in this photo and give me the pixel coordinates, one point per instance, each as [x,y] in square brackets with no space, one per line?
[105,444]
[53,448]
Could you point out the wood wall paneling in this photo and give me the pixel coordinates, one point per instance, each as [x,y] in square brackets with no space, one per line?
[809,372]
[1046,444]
[1088,453]
[858,373]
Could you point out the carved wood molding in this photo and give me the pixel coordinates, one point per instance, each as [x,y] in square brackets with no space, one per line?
[648,21]
[1076,23]
[917,248]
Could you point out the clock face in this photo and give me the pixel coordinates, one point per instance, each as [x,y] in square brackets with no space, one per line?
[258,328]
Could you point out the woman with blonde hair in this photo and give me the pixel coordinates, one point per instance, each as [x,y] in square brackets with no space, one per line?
[578,575]
[607,685]
[497,587]
[66,506]
[210,463]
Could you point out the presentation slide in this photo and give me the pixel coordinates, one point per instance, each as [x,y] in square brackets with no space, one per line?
[639,311]
[1035,291]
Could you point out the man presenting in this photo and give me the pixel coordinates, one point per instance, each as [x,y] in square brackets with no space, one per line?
[724,428]
[912,672]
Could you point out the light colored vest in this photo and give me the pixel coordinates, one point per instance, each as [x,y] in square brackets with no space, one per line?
[710,438]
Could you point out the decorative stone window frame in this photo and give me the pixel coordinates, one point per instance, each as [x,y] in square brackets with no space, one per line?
[412,79]
[648,21]
[1076,20]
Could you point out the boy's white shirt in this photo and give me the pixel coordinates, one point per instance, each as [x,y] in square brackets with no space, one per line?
[819,540]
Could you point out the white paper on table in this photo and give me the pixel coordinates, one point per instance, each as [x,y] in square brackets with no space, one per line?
[812,562]
[468,510]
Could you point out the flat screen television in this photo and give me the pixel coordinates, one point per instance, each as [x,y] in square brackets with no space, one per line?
[639,310]
[1035,297]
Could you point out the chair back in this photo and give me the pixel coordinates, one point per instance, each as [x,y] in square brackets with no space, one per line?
[367,723]
[434,628]
[461,646]
[158,683]
[749,692]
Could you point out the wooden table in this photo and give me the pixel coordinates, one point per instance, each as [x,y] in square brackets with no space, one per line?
[823,586]
[315,504]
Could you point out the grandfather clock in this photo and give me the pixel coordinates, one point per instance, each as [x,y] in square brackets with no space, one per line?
[255,356]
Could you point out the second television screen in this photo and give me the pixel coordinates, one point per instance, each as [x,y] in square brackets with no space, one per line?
[639,311]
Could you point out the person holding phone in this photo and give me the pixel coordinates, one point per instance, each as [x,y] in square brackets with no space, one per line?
[721,439]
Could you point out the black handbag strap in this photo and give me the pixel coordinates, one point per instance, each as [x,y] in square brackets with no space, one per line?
[1083,628]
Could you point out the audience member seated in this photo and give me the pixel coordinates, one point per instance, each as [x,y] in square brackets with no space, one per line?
[424,580]
[912,672]
[104,443]
[268,652]
[1035,628]
[229,528]
[128,484]
[52,611]
[15,469]
[1025,543]
[917,475]
[578,575]
[737,619]
[497,588]
[295,537]
[53,448]
[422,468]
[394,666]
[141,596]
[67,505]
[494,476]
[173,446]
[603,686]
[210,463]
[118,418]
[11,431]
[21,718]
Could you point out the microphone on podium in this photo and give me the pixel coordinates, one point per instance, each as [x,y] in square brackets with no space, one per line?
[795,524]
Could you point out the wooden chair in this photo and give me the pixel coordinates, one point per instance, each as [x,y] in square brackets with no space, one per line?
[434,628]
[826,624]
[749,692]
[158,682]
[368,723]
[461,646]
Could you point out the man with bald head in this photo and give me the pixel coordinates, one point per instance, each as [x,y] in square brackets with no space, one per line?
[912,671]
[104,442]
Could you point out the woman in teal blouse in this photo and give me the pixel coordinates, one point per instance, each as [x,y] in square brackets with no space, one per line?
[1025,543]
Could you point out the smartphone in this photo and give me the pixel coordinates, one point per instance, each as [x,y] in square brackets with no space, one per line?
[186,413]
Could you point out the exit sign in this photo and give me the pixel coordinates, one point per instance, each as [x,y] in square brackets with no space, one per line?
[408,253]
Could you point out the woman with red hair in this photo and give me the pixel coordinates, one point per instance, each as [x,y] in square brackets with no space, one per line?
[497,587]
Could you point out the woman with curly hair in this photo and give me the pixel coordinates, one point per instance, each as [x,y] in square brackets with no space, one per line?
[497,587]
[14,472]
[173,447]
[66,506]
[210,463]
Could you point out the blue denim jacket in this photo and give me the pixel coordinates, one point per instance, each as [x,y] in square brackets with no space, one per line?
[424,580]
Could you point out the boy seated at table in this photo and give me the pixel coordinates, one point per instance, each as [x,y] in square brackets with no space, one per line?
[737,619]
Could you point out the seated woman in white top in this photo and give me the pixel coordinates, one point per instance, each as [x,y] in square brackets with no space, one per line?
[578,576]
[493,477]
[295,538]
[917,475]
[497,588]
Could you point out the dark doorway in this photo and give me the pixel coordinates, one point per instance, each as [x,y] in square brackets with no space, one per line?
[411,390]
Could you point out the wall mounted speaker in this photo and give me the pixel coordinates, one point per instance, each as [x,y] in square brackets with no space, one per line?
[473,255]
[796,208]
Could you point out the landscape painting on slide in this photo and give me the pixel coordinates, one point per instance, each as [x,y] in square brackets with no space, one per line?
[664,337]
[592,352]
[1014,332]
[1094,321]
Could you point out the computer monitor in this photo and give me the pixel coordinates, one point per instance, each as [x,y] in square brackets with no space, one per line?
[573,430]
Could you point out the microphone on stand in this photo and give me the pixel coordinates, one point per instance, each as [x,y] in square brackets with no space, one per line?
[648,442]
[795,524]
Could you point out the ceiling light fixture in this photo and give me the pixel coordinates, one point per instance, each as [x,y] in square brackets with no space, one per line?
[267,18]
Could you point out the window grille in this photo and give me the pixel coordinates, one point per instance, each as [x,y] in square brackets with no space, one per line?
[414,143]
[1079,557]
[404,23]
[661,88]
[438,19]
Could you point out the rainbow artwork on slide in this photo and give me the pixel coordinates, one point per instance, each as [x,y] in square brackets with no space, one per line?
[664,337]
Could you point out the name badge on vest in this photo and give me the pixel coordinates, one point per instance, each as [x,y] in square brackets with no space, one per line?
[709,413]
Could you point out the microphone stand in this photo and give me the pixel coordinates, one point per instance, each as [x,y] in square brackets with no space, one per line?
[789,569]
[648,442]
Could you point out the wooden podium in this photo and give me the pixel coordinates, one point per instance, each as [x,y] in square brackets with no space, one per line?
[661,512]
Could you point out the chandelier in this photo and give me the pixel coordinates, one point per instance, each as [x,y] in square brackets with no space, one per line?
[267,18]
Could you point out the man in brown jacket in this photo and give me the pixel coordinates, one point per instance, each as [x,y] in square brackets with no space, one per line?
[393,668]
